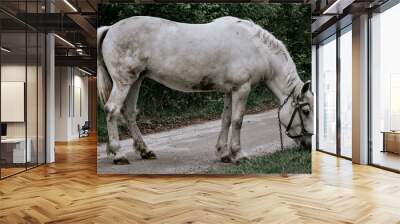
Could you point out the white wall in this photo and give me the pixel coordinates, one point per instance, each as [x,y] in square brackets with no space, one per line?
[14,72]
[80,84]
[17,73]
[33,126]
[61,103]
[70,83]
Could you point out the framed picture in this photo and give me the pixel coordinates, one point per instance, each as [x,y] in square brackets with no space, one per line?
[204,88]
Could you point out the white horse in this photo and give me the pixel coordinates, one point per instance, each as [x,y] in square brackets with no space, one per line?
[229,55]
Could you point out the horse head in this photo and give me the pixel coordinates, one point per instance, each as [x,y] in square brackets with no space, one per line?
[297,116]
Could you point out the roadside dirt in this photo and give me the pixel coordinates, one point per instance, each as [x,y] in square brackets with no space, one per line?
[191,149]
[148,126]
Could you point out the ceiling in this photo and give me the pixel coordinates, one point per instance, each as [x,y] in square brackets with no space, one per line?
[75,22]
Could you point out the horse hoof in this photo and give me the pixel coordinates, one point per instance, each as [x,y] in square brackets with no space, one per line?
[121,161]
[112,148]
[149,155]
[110,154]
[242,160]
[226,159]
[222,151]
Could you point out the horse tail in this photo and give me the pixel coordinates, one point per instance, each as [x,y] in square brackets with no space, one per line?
[104,82]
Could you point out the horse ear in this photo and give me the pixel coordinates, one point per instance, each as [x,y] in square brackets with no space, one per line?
[306,87]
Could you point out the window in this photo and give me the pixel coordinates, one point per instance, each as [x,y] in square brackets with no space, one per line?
[334,106]
[327,95]
[385,89]
[346,92]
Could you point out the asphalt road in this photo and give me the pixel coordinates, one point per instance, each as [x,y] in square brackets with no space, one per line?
[191,150]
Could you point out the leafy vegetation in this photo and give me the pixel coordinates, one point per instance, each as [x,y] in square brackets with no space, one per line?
[293,160]
[290,23]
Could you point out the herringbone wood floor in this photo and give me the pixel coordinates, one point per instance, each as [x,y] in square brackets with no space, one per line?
[70,191]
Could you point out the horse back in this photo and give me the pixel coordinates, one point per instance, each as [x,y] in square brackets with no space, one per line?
[190,56]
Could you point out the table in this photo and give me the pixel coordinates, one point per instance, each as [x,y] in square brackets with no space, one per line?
[13,150]
[391,141]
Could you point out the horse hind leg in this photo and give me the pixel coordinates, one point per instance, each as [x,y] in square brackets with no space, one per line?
[112,126]
[130,112]
[239,99]
[113,108]
[222,150]
[113,146]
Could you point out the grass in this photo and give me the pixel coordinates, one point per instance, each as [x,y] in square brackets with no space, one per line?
[292,160]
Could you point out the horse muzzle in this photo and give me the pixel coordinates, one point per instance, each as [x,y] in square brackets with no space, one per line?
[303,139]
[301,135]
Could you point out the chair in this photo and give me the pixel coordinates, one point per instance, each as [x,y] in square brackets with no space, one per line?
[84,130]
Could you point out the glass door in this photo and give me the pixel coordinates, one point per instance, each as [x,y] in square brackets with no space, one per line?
[14,155]
[327,95]
[385,89]
[32,97]
[22,101]
[346,92]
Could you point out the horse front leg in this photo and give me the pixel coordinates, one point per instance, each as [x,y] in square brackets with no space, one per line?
[239,99]
[130,113]
[222,150]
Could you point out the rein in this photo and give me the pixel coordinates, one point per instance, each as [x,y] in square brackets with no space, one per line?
[296,110]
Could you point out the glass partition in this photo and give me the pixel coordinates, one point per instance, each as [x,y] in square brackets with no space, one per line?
[31,99]
[385,89]
[327,95]
[22,77]
[346,92]
[14,153]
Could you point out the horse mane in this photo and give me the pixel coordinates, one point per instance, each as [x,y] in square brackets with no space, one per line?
[268,39]
[277,47]
[271,42]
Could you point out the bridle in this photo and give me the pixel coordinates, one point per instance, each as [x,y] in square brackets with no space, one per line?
[297,110]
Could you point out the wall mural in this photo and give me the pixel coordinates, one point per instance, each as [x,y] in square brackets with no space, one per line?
[166,72]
